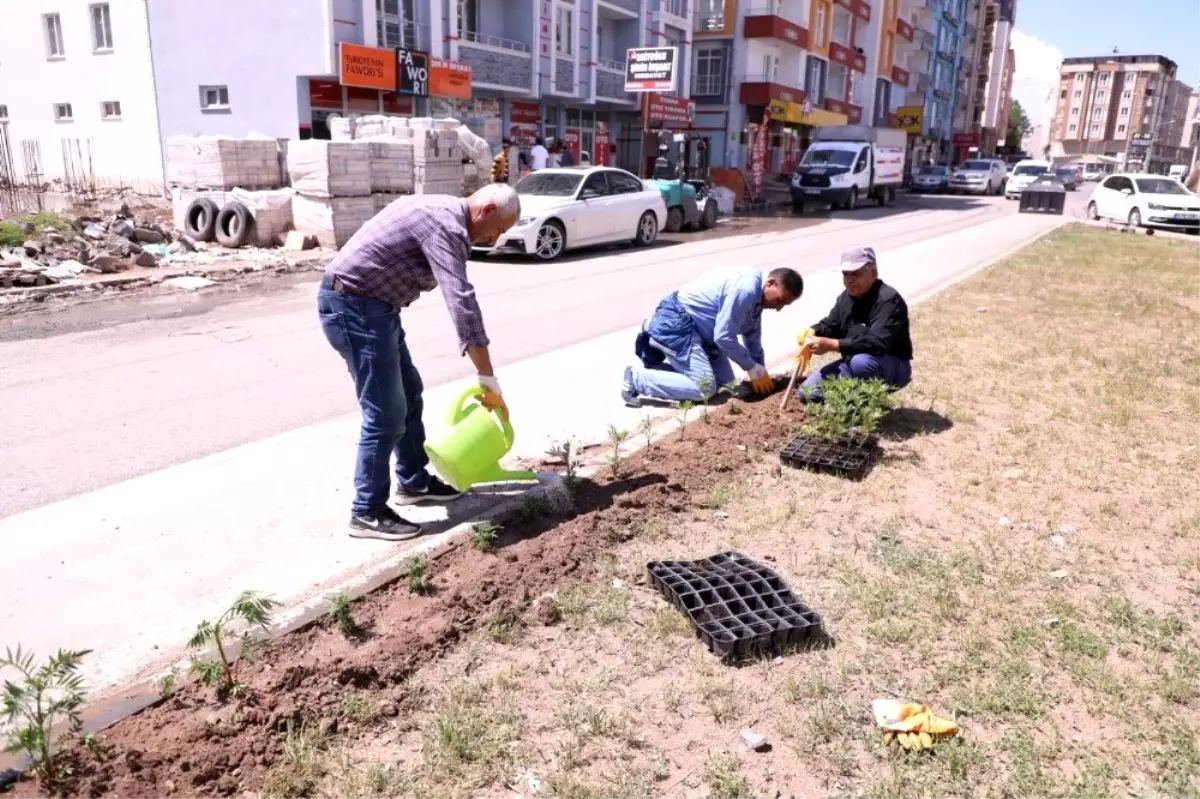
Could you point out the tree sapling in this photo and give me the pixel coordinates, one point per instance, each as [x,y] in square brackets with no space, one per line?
[706,394]
[646,428]
[251,609]
[730,390]
[47,695]
[484,535]
[341,608]
[615,439]
[684,407]
[570,461]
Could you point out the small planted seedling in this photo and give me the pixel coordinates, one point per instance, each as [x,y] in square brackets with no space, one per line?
[616,438]
[570,461]
[418,574]
[46,695]
[707,392]
[484,535]
[532,508]
[730,390]
[341,608]
[646,428]
[168,684]
[251,609]
[684,408]
[848,406]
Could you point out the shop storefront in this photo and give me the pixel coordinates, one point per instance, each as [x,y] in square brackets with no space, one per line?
[790,131]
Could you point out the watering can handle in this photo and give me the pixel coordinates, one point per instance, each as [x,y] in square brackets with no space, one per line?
[463,406]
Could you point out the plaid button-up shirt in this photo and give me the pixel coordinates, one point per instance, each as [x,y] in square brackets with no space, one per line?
[410,247]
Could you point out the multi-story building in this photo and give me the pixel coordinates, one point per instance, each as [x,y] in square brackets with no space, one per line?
[1130,108]
[90,91]
[1190,139]
[996,81]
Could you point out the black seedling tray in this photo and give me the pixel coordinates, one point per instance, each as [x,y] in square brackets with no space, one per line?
[849,456]
[738,606]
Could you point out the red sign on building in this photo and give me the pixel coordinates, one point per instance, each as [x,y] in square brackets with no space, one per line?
[758,155]
[966,139]
[670,111]
[523,113]
[602,143]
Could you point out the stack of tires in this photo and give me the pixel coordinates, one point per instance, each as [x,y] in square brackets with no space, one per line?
[230,226]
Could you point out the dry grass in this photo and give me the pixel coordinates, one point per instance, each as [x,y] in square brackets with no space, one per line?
[1024,559]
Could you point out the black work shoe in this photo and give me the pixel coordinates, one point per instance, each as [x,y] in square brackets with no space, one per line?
[436,491]
[383,524]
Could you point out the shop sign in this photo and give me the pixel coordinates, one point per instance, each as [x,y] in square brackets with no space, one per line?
[911,118]
[966,139]
[650,69]
[602,143]
[450,79]
[523,113]
[758,155]
[487,107]
[413,66]
[571,142]
[324,94]
[670,111]
[367,67]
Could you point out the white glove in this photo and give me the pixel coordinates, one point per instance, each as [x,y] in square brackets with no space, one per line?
[491,384]
[757,371]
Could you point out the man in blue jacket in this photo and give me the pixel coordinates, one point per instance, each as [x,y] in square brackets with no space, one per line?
[687,345]
[868,327]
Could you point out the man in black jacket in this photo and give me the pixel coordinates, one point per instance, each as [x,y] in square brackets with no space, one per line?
[868,326]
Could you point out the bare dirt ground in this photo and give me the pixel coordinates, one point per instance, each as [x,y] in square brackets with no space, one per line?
[1023,559]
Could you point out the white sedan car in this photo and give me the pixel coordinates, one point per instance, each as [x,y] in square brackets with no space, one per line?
[1150,200]
[568,207]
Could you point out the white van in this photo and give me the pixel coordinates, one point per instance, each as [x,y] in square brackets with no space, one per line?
[1178,172]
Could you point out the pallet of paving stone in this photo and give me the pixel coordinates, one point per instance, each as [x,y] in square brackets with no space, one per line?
[333,220]
[849,456]
[391,163]
[739,608]
[223,162]
[320,168]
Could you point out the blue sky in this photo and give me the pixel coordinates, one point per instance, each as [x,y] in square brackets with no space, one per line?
[1049,30]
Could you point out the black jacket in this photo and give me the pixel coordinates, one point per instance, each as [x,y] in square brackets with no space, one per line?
[873,324]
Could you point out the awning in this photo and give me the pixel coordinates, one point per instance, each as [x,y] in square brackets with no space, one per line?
[1092,160]
[783,111]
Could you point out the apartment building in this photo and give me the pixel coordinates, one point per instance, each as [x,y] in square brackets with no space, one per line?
[94,89]
[799,65]
[1128,108]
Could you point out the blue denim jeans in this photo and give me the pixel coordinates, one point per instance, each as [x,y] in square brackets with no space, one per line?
[368,336]
[687,373]
[896,372]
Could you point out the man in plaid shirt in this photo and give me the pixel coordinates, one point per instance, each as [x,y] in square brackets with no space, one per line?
[414,245]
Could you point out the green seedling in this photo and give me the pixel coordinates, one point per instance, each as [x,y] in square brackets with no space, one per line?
[532,508]
[570,461]
[646,428]
[684,408]
[341,607]
[251,609]
[168,684]
[46,695]
[615,439]
[848,405]
[730,390]
[706,394]
[418,574]
[484,534]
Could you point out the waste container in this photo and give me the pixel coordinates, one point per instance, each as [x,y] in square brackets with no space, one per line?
[1045,195]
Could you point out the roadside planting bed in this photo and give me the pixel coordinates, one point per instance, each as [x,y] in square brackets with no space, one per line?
[234,735]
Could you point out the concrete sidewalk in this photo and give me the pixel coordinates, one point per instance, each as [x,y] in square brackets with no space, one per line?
[128,570]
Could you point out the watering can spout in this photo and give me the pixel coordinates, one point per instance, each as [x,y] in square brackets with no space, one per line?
[499,475]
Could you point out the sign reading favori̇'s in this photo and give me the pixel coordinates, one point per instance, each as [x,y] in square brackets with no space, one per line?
[651,69]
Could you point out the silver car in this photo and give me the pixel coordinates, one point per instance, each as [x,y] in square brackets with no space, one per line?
[979,176]
[931,178]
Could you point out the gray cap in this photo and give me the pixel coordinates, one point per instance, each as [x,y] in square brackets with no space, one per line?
[856,258]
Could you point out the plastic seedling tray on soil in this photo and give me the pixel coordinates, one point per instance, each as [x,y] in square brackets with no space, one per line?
[851,456]
[738,606]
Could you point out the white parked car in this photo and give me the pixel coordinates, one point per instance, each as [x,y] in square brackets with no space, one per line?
[568,207]
[1149,200]
[1024,173]
[979,176]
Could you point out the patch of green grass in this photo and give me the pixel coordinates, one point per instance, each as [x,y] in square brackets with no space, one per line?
[358,707]
[1075,639]
[1177,759]
[11,234]
[473,731]
[303,764]
[895,632]
[669,622]
[417,568]
[505,627]
[1095,781]
[725,779]
[1027,776]
[718,496]
[613,607]
[720,697]
[1011,689]
[574,602]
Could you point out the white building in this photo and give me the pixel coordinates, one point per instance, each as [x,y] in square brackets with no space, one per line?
[90,91]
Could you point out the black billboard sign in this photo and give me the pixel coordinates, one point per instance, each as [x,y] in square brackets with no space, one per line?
[412,73]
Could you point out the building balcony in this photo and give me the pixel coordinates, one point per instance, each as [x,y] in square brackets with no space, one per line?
[610,85]
[841,54]
[762,92]
[854,113]
[904,30]
[497,63]
[773,26]
[923,82]
[859,8]
[632,6]
[900,77]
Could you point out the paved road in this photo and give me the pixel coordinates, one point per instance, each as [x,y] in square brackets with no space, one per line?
[92,408]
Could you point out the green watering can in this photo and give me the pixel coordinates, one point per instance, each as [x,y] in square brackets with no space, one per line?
[468,452]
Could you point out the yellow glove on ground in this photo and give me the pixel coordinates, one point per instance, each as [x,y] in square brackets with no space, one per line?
[911,725]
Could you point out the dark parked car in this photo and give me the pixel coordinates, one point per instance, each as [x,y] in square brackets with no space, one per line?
[1068,176]
[931,178]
